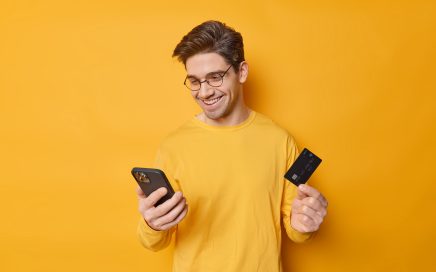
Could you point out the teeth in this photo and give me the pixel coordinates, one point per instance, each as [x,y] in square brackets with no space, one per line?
[210,102]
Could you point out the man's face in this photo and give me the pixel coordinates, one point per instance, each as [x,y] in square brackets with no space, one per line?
[220,102]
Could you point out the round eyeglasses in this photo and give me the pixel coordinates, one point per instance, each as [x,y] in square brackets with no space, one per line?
[213,79]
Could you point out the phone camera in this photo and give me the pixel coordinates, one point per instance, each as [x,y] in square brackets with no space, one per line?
[142,177]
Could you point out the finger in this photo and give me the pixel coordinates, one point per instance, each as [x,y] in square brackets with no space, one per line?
[311,202]
[139,192]
[309,222]
[310,191]
[171,215]
[299,207]
[168,205]
[303,223]
[178,219]
[300,194]
[315,204]
[300,227]
[296,204]
[314,215]
[323,200]
[154,197]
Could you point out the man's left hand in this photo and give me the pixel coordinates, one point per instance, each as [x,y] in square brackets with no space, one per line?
[308,209]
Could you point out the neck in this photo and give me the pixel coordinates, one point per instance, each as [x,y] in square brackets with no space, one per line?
[238,116]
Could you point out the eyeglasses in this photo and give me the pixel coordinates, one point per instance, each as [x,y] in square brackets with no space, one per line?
[214,79]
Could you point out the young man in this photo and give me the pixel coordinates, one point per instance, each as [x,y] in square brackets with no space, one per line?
[228,163]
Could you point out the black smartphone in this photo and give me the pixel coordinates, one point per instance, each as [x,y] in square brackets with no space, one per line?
[150,179]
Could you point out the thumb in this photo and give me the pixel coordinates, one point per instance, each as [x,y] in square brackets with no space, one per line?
[300,193]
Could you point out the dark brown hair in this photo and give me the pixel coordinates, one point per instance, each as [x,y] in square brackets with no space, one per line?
[212,37]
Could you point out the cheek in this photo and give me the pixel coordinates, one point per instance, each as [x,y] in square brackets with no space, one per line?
[226,89]
[233,93]
[232,88]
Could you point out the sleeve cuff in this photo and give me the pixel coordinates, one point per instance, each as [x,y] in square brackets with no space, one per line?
[146,228]
[300,237]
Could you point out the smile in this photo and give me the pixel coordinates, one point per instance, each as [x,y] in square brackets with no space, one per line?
[211,101]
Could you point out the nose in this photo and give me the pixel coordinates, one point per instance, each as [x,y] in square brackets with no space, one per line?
[205,90]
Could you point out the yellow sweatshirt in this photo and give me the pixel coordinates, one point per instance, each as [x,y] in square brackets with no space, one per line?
[232,178]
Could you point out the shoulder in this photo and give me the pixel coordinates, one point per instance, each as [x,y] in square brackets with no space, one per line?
[179,135]
[269,126]
[276,135]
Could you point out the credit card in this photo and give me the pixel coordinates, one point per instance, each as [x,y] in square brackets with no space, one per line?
[303,167]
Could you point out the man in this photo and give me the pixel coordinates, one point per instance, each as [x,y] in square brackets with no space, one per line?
[228,163]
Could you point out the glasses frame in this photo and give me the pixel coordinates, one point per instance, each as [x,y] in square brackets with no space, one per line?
[201,82]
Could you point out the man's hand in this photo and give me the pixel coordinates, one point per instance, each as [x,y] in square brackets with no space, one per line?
[308,209]
[166,215]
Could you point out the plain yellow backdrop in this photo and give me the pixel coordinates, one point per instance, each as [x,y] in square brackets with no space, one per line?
[88,89]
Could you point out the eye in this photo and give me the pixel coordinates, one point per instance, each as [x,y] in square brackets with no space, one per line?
[193,81]
[214,78]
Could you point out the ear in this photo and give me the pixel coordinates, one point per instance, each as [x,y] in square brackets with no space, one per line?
[243,72]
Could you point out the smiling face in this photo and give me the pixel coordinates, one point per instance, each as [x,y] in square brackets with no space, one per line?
[223,105]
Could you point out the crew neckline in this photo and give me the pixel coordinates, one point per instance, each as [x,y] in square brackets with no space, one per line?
[241,125]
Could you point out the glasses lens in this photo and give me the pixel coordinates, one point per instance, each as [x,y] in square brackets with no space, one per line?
[192,84]
[215,80]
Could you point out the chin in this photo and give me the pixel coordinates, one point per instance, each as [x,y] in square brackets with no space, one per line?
[216,115]
[212,115]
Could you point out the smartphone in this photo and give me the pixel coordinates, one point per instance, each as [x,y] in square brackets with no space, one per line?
[150,179]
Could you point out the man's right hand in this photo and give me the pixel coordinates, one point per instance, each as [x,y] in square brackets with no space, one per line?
[166,215]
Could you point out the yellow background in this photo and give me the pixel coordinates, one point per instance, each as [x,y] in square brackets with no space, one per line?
[88,89]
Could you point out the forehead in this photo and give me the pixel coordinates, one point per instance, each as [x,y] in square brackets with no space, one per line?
[201,64]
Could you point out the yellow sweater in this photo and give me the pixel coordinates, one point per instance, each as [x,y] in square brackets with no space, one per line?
[232,178]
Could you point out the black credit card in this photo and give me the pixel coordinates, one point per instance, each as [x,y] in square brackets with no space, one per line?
[303,167]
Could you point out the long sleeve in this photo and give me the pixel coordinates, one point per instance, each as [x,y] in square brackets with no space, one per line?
[289,193]
[156,239]
[153,239]
[233,179]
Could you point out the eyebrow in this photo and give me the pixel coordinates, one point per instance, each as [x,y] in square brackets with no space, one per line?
[208,74]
